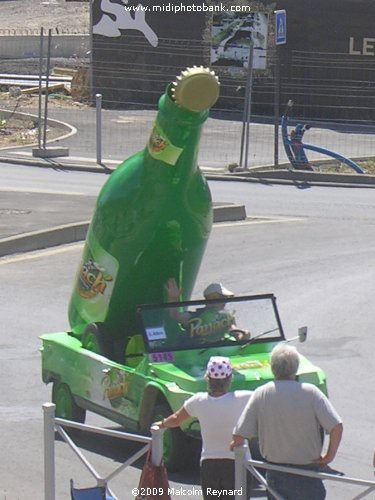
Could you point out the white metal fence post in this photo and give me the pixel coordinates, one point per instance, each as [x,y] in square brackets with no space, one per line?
[240,472]
[49,450]
[40,88]
[46,89]
[245,134]
[157,445]
[98,100]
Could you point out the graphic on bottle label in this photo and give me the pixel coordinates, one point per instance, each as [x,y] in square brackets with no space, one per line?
[95,281]
[160,147]
[92,280]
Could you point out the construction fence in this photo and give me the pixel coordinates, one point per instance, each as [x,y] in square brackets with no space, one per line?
[53,425]
[340,107]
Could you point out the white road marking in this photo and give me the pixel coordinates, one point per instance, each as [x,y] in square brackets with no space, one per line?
[257,220]
[133,119]
[40,253]
[40,191]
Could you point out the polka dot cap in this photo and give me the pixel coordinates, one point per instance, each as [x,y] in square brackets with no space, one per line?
[219,367]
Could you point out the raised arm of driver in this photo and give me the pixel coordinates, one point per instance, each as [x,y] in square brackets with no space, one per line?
[173,291]
[334,442]
[174,420]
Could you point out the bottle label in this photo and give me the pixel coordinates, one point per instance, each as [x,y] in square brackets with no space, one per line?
[161,148]
[95,281]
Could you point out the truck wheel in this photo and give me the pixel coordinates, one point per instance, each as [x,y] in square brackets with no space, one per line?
[176,452]
[66,407]
[95,339]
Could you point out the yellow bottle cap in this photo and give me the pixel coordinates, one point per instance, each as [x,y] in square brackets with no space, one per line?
[196,89]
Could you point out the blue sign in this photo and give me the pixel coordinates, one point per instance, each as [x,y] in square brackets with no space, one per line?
[280,27]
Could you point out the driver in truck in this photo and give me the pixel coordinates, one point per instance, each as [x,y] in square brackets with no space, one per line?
[209,323]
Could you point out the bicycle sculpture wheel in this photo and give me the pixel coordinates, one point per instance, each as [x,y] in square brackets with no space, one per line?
[295,148]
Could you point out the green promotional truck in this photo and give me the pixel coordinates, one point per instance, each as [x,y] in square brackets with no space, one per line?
[165,365]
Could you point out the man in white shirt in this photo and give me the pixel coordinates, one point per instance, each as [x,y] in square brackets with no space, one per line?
[288,418]
[217,411]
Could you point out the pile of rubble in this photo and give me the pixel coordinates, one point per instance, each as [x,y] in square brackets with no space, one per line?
[62,83]
[71,17]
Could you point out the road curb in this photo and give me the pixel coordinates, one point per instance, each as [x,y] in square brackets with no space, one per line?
[71,233]
[70,130]
[53,163]
[37,240]
[308,177]
[229,212]
[298,182]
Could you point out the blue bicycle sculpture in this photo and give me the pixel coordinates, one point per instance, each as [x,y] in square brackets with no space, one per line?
[295,148]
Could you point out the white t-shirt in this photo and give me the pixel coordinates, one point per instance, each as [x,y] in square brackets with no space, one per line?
[217,417]
[287,416]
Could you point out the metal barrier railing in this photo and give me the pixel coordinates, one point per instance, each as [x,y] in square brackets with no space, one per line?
[242,463]
[52,424]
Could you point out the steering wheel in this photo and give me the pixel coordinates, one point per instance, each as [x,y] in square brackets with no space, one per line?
[240,334]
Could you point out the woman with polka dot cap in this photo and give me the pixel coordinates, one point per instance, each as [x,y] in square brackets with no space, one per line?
[217,410]
[219,368]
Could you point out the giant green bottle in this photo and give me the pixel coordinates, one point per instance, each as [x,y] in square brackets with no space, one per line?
[152,218]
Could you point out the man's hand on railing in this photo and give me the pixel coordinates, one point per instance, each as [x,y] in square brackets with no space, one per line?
[236,441]
[322,461]
[334,441]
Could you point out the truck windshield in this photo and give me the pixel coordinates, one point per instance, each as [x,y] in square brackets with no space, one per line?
[193,324]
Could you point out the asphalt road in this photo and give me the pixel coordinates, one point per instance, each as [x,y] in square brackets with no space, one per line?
[314,248]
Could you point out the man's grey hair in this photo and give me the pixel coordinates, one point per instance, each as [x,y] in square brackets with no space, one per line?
[284,361]
[215,385]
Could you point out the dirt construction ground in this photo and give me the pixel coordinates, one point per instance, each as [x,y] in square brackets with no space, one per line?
[29,15]
[23,17]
